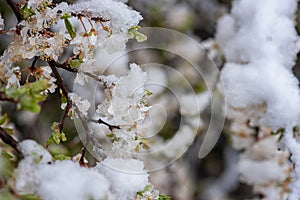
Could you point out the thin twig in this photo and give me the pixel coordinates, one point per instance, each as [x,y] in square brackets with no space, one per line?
[83,151]
[3,97]
[63,66]
[7,139]
[65,92]
[110,127]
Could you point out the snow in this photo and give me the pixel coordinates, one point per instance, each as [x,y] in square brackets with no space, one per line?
[37,174]
[127,176]
[256,76]
[125,104]
[260,83]
[81,105]
[260,44]
[34,154]
[72,182]
[262,172]
[120,16]
[254,24]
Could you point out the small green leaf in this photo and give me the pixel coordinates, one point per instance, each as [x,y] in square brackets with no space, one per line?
[61,157]
[65,16]
[148,92]
[70,28]
[163,197]
[3,119]
[27,12]
[133,33]
[111,135]
[140,37]
[29,95]
[9,131]
[56,136]
[75,63]
[29,197]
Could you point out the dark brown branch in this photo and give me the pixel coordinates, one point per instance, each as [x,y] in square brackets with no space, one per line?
[81,161]
[65,92]
[33,63]
[63,66]
[110,127]
[3,97]
[15,9]
[7,139]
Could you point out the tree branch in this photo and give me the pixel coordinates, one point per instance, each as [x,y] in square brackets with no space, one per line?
[83,151]
[3,97]
[65,92]
[15,9]
[7,139]
[63,66]
[110,127]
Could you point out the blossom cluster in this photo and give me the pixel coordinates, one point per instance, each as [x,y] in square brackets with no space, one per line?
[262,91]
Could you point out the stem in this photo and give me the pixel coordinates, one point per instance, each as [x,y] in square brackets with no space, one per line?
[65,92]
[7,139]
[3,97]
[83,151]
[110,127]
[63,66]
[15,9]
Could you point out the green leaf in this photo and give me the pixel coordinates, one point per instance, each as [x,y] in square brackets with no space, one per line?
[27,12]
[29,95]
[3,119]
[133,33]
[110,135]
[56,136]
[6,195]
[61,157]
[75,63]
[163,197]
[148,92]
[9,131]
[70,28]
[29,197]
[65,16]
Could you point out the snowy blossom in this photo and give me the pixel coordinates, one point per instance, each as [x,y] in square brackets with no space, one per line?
[127,176]
[251,76]
[120,17]
[115,15]
[73,182]
[13,77]
[260,85]
[46,73]
[81,105]
[126,105]
[34,155]
[36,174]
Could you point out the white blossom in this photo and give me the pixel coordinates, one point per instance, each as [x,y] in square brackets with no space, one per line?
[260,85]
[81,105]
